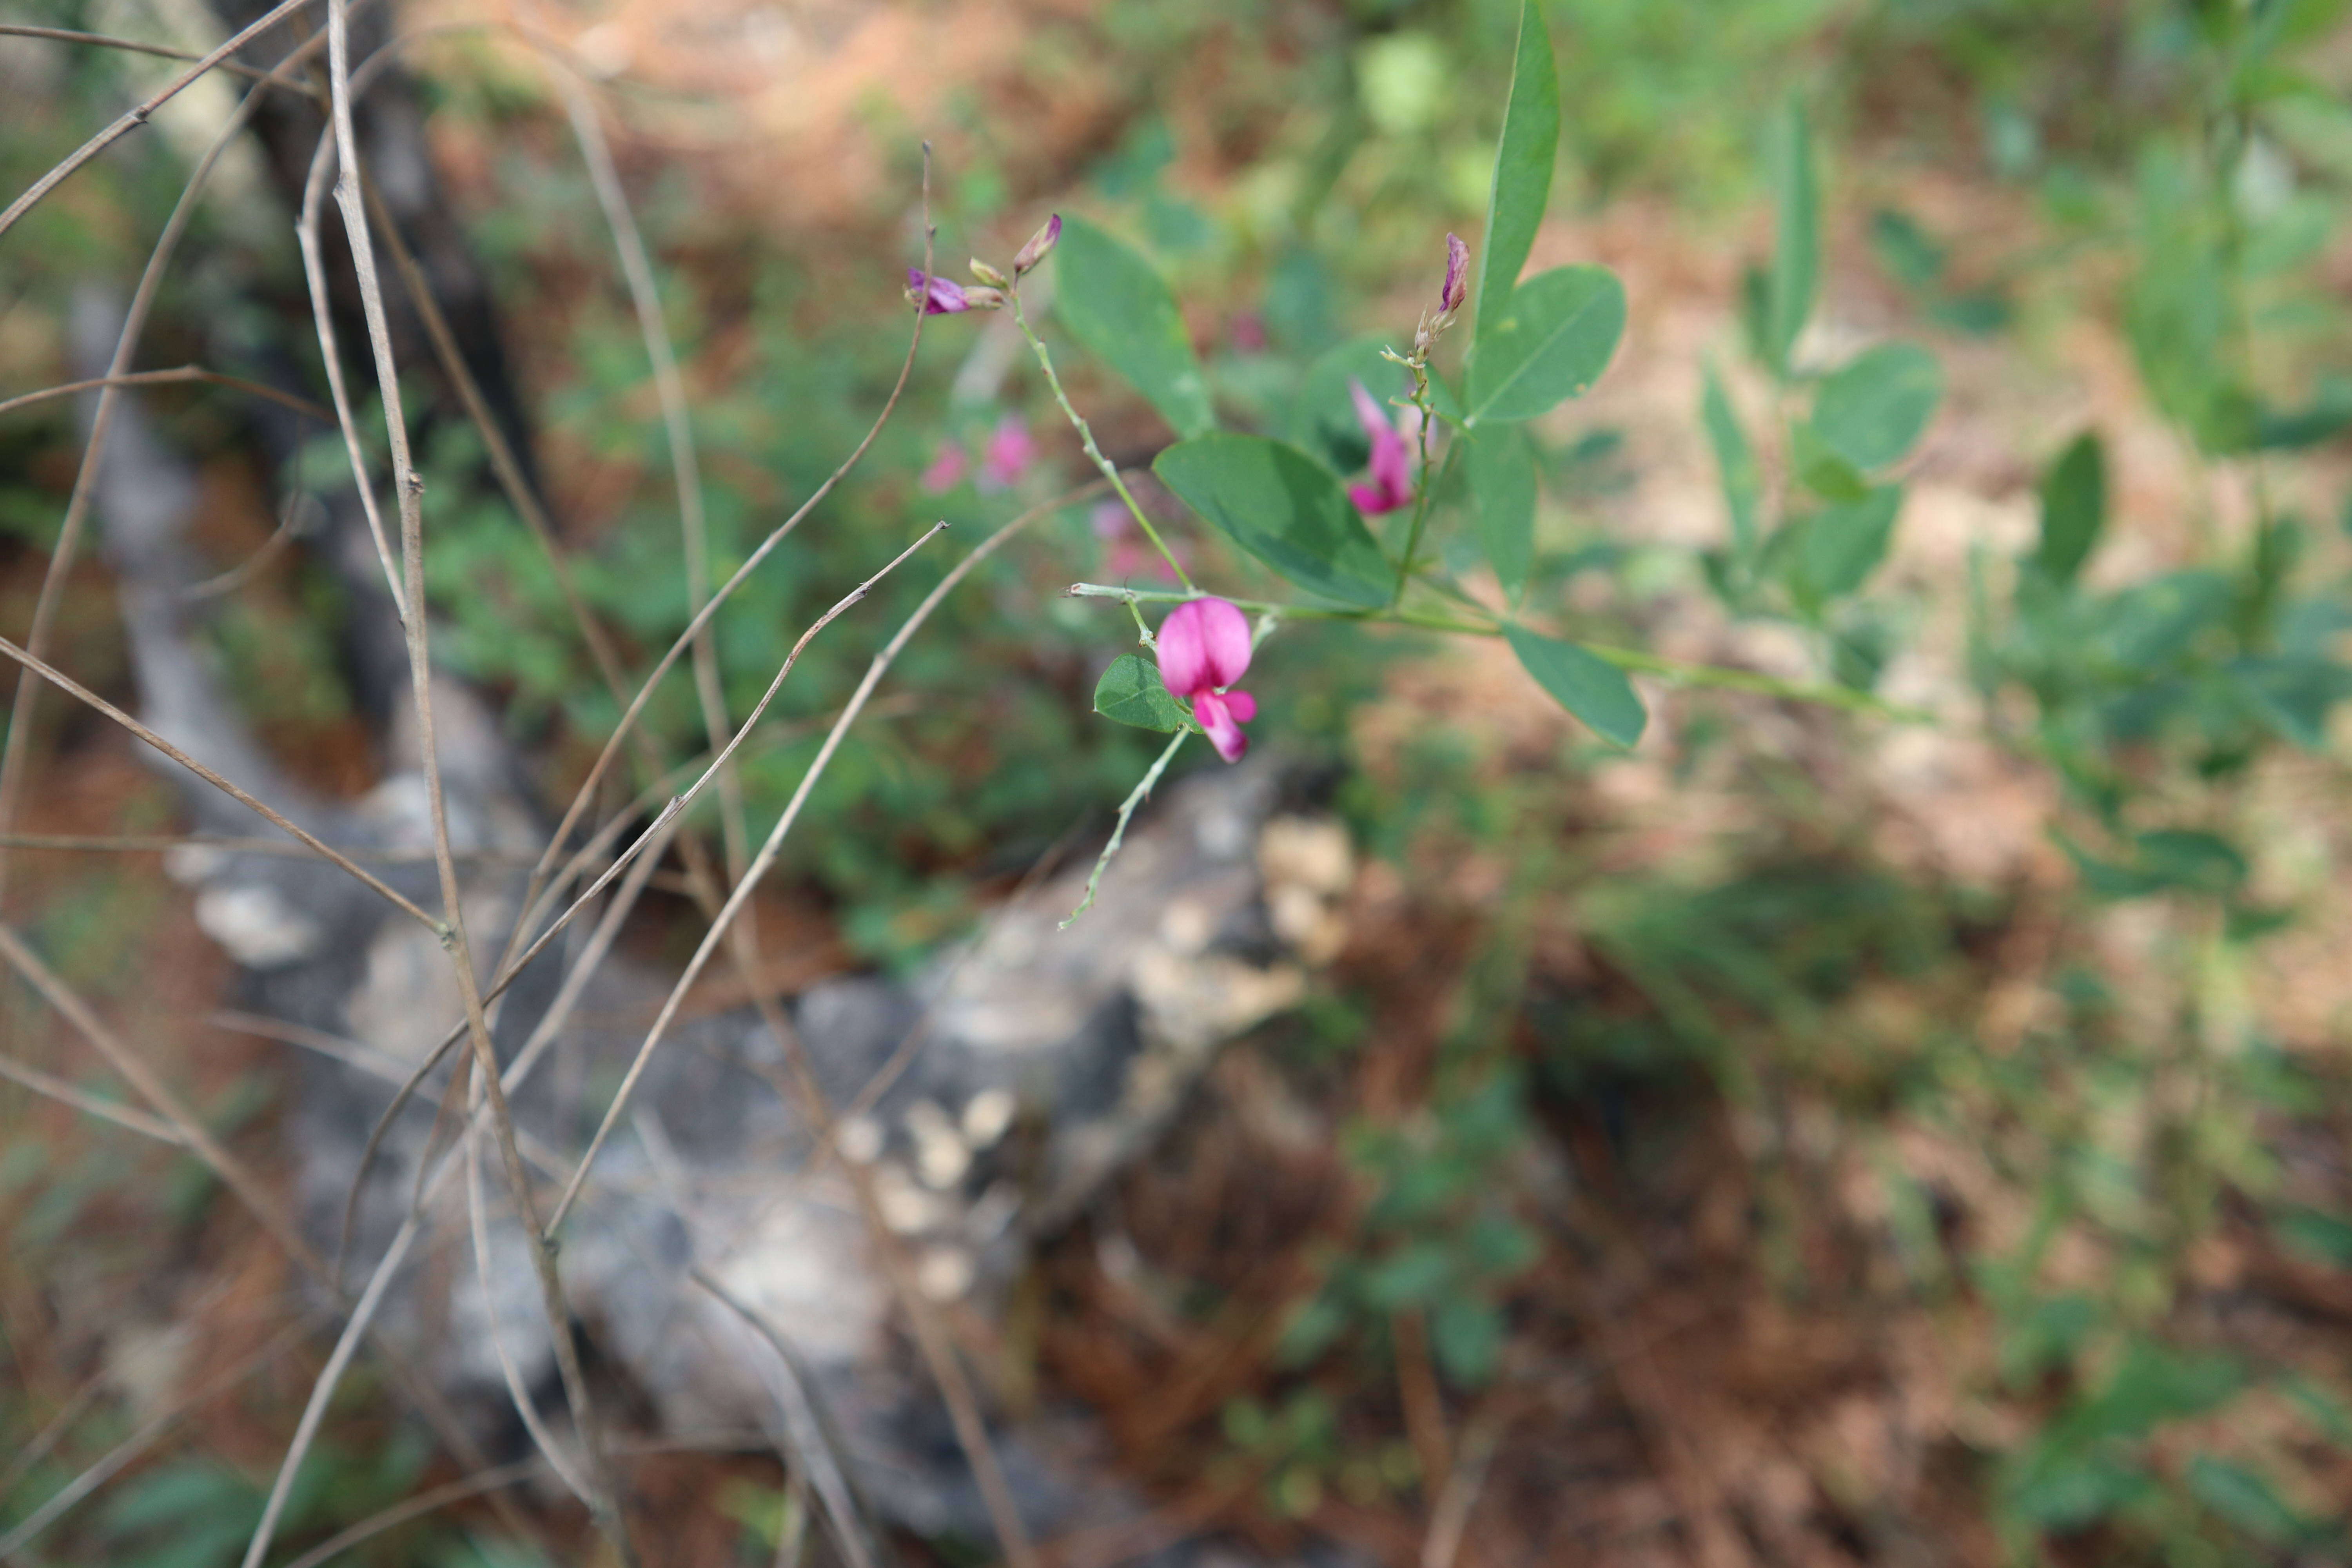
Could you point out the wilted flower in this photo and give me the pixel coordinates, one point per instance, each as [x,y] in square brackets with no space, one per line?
[946,296]
[1007,455]
[937,296]
[1457,275]
[1390,486]
[1040,243]
[1204,648]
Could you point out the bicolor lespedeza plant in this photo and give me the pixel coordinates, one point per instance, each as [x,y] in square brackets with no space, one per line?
[1358,545]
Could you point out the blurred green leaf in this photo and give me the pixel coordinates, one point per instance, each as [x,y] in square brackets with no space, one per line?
[1503,488]
[1549,344]
[2153,622]
[2074,508]
[2293,695]
[1869,411]
[1114,304]
[1286,509]
[2245,1500]
[1823,471]
[1131,692]
[1833,552]
[1588,686]
[1523,165]
[1787,300]
[1734,463]
[1467,1333]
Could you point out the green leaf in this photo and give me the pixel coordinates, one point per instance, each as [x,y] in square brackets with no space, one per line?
[1588,686]
[2293,695]
[1873,409]
[1467,1334]
[1116,305]
[1833,551]
[1323,419]
[1734,462]
[1787,300]
[1286,509]
[1551,341]
[2245,1500]
[2155,622]
[1503,488]
[1523,163]
[1131,691]
[1823,471]
[2074,508]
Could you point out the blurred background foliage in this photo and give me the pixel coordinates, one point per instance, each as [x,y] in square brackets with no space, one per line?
[2012,1192]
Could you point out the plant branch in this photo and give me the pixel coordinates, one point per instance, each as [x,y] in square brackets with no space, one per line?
[1086,439]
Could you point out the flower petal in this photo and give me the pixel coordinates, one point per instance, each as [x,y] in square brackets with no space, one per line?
[1183,657]
[1374,418]
[1243,706]
[1391,466]
[1223,724]
[941,295]
[1457,274]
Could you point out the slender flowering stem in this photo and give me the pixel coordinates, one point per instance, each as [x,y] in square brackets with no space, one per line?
[1424,488]
[1718,677]
[1136,797]
[1087,438]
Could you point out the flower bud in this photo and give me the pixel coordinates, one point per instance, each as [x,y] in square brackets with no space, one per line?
[985,273]
[1457,275]
[1040,243]
[983,299]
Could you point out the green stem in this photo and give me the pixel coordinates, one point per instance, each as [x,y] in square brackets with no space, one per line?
[1136,797]
[1087,438]
[1713,675]
[1423,487]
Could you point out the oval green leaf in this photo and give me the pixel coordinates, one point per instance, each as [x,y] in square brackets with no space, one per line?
[1588,686]
[1502,492]
[1286,509]
[1523,166]
[1131,691]
[1116,307]
[2074,508]
[1873,409]
[1550,344]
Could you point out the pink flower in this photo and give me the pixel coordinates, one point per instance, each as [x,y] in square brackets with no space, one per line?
[946,296]
[1457,275]
[947,470]
[939,296]
[1392,461]
[1204,648]
[1007,455]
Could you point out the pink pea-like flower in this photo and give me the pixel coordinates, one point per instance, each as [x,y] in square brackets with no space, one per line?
[1457,275]
[1204,648]
[1390,486]
[1007,456]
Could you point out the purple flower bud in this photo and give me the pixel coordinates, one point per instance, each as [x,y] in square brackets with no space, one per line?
[1457,274]
[937,296]
[986,274]
[1039,244]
